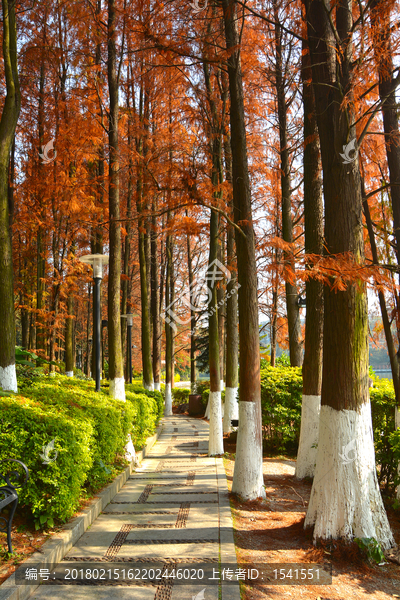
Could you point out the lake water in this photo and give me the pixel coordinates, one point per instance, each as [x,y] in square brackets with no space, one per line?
[383,373]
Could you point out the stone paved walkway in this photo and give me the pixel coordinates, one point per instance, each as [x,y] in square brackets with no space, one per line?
[173,510]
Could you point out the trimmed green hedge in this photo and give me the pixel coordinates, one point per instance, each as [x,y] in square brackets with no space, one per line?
[281,392]
[386,438]
[148,409]
[54,489]
[180,396]
[89,430]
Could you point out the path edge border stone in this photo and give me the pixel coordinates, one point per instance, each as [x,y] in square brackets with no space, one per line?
[54,550]
[227,541]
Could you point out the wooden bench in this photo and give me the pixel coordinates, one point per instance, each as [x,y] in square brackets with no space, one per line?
[9,495]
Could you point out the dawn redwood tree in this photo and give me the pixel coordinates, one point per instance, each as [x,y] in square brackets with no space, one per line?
[8,123]
[313,233]
[382,301]
[231,407]
[380,18]
[155,302]
[169,325]
[215,445]
[116,368]
[214,408]
[345,498]
[248,479]
[292,307]
[144,235]
[192,315]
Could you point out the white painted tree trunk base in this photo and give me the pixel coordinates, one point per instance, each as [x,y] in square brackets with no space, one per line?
[117,388]
[157,386]
[222,385]
[248,480]
[345,498]
[69,373]
[231,408]
[207,413]
[168,400]
[215,442]
[309,428]
[149,386]
[8,379]
[130,454]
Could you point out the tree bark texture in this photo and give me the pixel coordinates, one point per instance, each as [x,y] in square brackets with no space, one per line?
[247,479]
[292,307]
[345,498]
[116,369]
[8,123]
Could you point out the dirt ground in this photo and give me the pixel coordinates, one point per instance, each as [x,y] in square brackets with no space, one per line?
[25,541]
[272,531]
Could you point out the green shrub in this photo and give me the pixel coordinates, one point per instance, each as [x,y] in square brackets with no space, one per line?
[180,396]
[145,417]
[386,439]
[111,419]
[281,392]
[53,489]
[137,388]
[79,374]
[201,386]
[27,375]
[89,430]
[283,360]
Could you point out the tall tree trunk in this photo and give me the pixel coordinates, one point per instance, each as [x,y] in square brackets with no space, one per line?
[155,303]
[274,320]
[41,257]
[314,229]
[88,344]
[381,22]
[8,123]
[221,311]
[32,331]
[169,326]
[215,317]
[292,307]
[40,290]
[116,368]
[125,282]
[231,408]
[394,364]
[345,498]
[248,478]
[192,317]
[69,328]
[25,328]
[146,329]
[382,302]
[215,444]
[144,262]
[125,309]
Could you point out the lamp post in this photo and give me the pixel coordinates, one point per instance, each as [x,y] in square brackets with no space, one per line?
[97,261]
[129,322]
